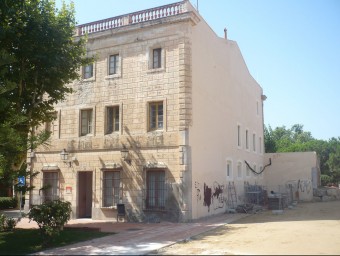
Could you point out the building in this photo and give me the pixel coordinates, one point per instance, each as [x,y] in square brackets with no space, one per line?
[167,121]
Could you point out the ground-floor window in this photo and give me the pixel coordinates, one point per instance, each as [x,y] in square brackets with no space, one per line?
[111,188]
[50,189]
[155,189]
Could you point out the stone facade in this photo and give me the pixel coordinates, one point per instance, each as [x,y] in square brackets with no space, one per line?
[204,96]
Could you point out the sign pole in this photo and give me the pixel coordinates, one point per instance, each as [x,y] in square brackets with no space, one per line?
[20,202]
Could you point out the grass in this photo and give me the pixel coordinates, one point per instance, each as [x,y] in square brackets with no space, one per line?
[25,241]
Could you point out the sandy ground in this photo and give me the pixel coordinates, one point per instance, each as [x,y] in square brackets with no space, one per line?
[307,229]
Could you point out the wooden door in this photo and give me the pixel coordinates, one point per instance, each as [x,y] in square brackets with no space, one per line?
[85,194]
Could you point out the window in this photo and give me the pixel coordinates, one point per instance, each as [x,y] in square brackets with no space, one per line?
[51,186]
[111,188]
[155,116]
[260,144]
[229,169]
[254,142]
[247,140]
[86,121]
[112,119]
[239,136]
[239,170]
[51,126]
[254,168]
[247,171]
[88,71]
[155,190]
[157,58]
[113,64]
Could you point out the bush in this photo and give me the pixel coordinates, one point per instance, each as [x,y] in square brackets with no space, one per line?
[325,179]
[8,202]
[51,217]
[7,224]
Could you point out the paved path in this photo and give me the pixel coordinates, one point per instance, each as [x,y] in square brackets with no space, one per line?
[134,238]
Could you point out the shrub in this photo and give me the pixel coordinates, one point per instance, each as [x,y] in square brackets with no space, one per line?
[7,224]
[8,202]
[51,217]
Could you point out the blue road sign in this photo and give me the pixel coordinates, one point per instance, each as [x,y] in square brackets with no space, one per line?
[21,180]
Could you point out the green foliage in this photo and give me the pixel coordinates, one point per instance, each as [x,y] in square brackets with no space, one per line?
[8,202]
[38,58]
[51,217]
[7,224]
[295,139]
[325,179]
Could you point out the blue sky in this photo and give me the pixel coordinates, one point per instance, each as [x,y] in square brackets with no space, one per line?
[291,47]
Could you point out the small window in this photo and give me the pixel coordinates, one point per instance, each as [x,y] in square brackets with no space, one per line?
[155,116]
[239,170]
[155,190]
[51,186]
[238,135]
[229,169]
[113,64]
[88,71]
[247,171]
[254,142]
[247,139]
[111,188]
[260,145]
[112,119]
[86,125]
[157,58]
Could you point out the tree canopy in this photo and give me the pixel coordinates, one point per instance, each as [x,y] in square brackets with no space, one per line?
[295,139]
[38,58]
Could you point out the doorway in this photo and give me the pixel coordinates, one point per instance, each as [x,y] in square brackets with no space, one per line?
[84,194]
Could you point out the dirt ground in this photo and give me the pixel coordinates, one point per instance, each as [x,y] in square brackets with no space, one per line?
[307,229]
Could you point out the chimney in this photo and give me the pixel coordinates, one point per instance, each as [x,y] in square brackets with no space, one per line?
[225,33]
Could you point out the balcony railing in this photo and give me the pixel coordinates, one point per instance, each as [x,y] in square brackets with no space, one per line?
[132,18]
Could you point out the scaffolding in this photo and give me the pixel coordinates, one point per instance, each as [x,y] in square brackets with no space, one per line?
[255,194]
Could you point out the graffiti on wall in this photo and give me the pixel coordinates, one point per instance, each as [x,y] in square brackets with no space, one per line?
[207,197]
[198,191]
[212,196]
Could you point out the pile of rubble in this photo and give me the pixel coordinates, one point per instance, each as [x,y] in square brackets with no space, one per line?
[326,193]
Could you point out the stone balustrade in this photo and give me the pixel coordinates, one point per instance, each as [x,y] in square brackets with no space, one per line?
[132,18]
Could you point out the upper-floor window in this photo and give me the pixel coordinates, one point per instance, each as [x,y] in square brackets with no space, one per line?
[113,64]
[88,71]
[112,119]
[238,135]
[254,142]
[247,139]
[156,115]
[157,58]
[86,117]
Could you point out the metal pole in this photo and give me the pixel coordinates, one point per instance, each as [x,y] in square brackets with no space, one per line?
[20,202]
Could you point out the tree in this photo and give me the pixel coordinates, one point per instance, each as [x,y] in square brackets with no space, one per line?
[333,163]
[38,58]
